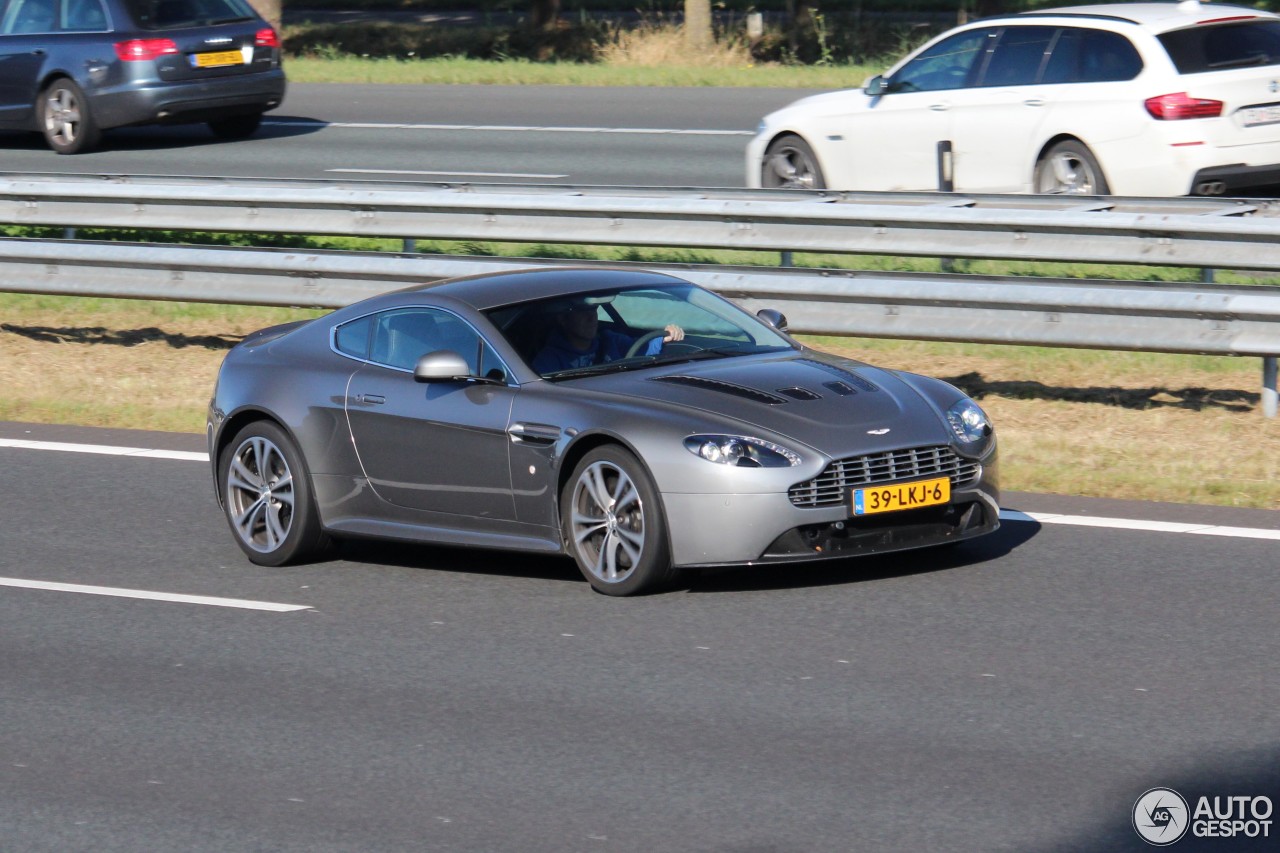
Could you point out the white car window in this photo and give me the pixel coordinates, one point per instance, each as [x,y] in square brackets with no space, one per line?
[946,65]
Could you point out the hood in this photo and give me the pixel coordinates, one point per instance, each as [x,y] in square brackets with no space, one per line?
[818,400]
[826,103]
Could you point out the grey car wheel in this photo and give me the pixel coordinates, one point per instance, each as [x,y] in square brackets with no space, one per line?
[613,524]
[1069,168]
[789,163]
[65,118]
[267,497]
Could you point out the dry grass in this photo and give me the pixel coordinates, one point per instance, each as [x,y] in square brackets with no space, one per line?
[1128,425]
[663,45]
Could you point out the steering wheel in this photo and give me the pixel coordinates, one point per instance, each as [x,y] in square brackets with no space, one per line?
[644,341]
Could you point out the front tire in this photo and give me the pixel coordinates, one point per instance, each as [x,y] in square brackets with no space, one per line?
[1069,168]
[65,118]
[267,497]
[789,163]
[613,526]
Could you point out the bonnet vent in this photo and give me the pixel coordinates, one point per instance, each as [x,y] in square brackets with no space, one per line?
[724,388]
[799,393]
[847,375]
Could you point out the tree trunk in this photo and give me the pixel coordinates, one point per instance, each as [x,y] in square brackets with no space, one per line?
[697,25]
[270,10]
[545,14]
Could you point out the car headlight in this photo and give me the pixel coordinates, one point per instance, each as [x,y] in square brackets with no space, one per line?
[742,451]
[969,422]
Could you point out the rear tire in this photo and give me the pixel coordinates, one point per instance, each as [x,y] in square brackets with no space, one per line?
[65,118]
[613,525]
[789,163]
[1069,168]
[267,497]
[236,127]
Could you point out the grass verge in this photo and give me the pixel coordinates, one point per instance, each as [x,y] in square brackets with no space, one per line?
[1106,424]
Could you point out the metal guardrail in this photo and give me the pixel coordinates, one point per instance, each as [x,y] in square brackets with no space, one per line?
[1155,317]
[1203,318]
[1171,232]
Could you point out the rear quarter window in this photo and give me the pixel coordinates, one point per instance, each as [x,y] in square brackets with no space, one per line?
[1234,45]
[1091,56]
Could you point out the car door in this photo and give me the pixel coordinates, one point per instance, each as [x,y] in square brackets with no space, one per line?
[894,143]
[995,122]
[441,447]
[25,28]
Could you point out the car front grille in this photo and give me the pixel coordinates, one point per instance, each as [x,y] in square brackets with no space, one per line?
[916,463]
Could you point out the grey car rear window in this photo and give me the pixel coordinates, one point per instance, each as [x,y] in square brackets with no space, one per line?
[1229,45]
[171,14]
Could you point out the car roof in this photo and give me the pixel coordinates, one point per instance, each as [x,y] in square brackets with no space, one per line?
[494,290]
[1157,17]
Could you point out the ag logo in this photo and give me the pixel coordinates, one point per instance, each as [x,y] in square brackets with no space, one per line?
[1160,816]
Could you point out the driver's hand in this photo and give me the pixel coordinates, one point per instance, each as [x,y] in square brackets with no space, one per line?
[674,333]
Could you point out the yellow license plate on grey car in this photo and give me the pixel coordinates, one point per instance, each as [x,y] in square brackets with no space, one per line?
[219,58]
[901,496]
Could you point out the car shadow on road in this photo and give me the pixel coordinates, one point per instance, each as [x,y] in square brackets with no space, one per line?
[863,569]
[471,561]
[171,136]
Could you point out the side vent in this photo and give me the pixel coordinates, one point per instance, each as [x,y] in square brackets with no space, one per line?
[840,388]
[724,388]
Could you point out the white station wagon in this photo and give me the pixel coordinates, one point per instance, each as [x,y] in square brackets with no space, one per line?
[1137,99]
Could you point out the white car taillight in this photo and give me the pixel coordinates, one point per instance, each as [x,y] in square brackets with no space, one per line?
[1180,105]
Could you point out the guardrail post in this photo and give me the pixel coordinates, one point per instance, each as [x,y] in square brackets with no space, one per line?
[1206,275]
[410,245]
[68,233]
[946,169]
[786,260]
[1269,395]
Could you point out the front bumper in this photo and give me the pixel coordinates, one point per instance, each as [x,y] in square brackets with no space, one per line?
[717,530]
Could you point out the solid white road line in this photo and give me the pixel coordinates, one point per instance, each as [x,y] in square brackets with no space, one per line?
[643,131]
[1005,514]
[106,449]
[1140,524]
[211,601]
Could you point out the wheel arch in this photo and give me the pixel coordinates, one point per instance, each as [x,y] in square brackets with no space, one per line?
[1054,140]
[585,444]
[228,430]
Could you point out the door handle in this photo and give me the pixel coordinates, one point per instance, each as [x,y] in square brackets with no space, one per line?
[1034,102]
[373,399]
[939,108]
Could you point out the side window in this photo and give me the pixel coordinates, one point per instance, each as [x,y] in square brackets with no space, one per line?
[29,16]
[1092,56]
[83,16]
[354,338]
[946,65]
[1019,55]
[400,337]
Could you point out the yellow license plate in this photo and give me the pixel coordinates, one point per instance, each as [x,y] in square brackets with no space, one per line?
[213,60]
[901,496]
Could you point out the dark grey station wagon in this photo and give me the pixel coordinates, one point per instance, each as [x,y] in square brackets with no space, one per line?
[71,69]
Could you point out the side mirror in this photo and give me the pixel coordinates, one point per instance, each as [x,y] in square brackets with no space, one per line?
[876,86]
[441,366]
[773,317]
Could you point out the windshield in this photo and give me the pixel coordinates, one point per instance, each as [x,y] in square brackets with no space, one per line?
[613,330]
[169,14]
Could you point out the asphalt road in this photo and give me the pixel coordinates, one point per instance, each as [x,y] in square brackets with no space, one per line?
[1017,693]
[479,134]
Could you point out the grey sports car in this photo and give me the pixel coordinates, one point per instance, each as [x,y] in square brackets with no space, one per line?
[635,421]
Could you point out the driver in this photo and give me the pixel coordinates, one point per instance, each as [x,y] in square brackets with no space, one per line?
[578,341]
